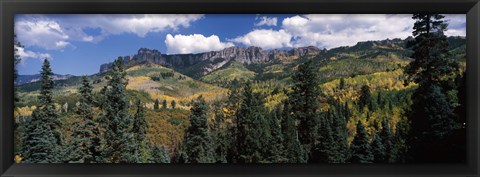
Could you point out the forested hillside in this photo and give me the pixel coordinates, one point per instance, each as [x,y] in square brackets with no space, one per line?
[388,101]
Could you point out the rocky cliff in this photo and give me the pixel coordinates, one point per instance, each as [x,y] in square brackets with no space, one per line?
[250,55]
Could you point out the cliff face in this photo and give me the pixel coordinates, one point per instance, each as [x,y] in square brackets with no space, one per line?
[250,55]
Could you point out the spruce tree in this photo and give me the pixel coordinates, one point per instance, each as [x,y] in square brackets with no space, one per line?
[378,150]
[365,97]
[324,150]
[42,140]
[198,142]
[304,101]
[156,105]
[340,133]
[140,132]
[251,128]
[164,104]
[119,141]
[85,143]
[387,140]
[275,149]
[379,100]
[360,148]
[173,104]
[341,85]
[160,155]
[294,151]
[431,115]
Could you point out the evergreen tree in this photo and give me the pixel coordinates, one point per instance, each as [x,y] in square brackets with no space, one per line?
[42,139]
[140,132]
[430,51]
[304,102]
[386,137]
[160,155]
[324,150]
[198,145]
[341,85]
[85,143]
[294,152]
[275,149]
[340,134]
[119,141]
[156,105]
[231,108]
[433,121]
[360,147]
[220,134]
[365,97]
[251,128]
[378,150]
[400,148]
[164,104]
[173,104]
[379,100]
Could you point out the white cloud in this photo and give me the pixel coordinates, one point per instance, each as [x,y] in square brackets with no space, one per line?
[456,25]
[336,30]
[42,33]
[267,21]
[195,43]
[265,38]
[56,31]
[25,54]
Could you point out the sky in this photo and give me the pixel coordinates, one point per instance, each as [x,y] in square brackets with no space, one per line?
[79,44]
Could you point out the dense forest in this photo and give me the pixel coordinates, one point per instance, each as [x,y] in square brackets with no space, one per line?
[347,105]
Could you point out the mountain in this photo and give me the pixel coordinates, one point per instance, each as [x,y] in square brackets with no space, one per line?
[23,79]
[212,60]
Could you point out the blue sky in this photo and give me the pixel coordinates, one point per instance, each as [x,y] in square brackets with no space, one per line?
[79,44]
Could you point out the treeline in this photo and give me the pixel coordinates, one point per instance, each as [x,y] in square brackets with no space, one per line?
[306,127]
[114,136]
[433,129]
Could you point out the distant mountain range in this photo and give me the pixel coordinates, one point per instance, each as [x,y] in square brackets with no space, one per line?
[217,67]
[23,79]
[201,64]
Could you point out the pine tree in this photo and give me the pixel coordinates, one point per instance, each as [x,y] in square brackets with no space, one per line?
[173,104]
[365,97]
[85,145]
[156,105]
[160,155]
[140,132]
[294,151]
[360,148]
[387,140]
[220,134]
[42,140]
[231,108]
[432,122]
[251,128]
[430,51]
[378,150]
[275,149]
[119,141]
[432,118]
[164,104]
[379,100]
[324,150]
[340,133]
[304,101]
[341,85]
[198,144]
